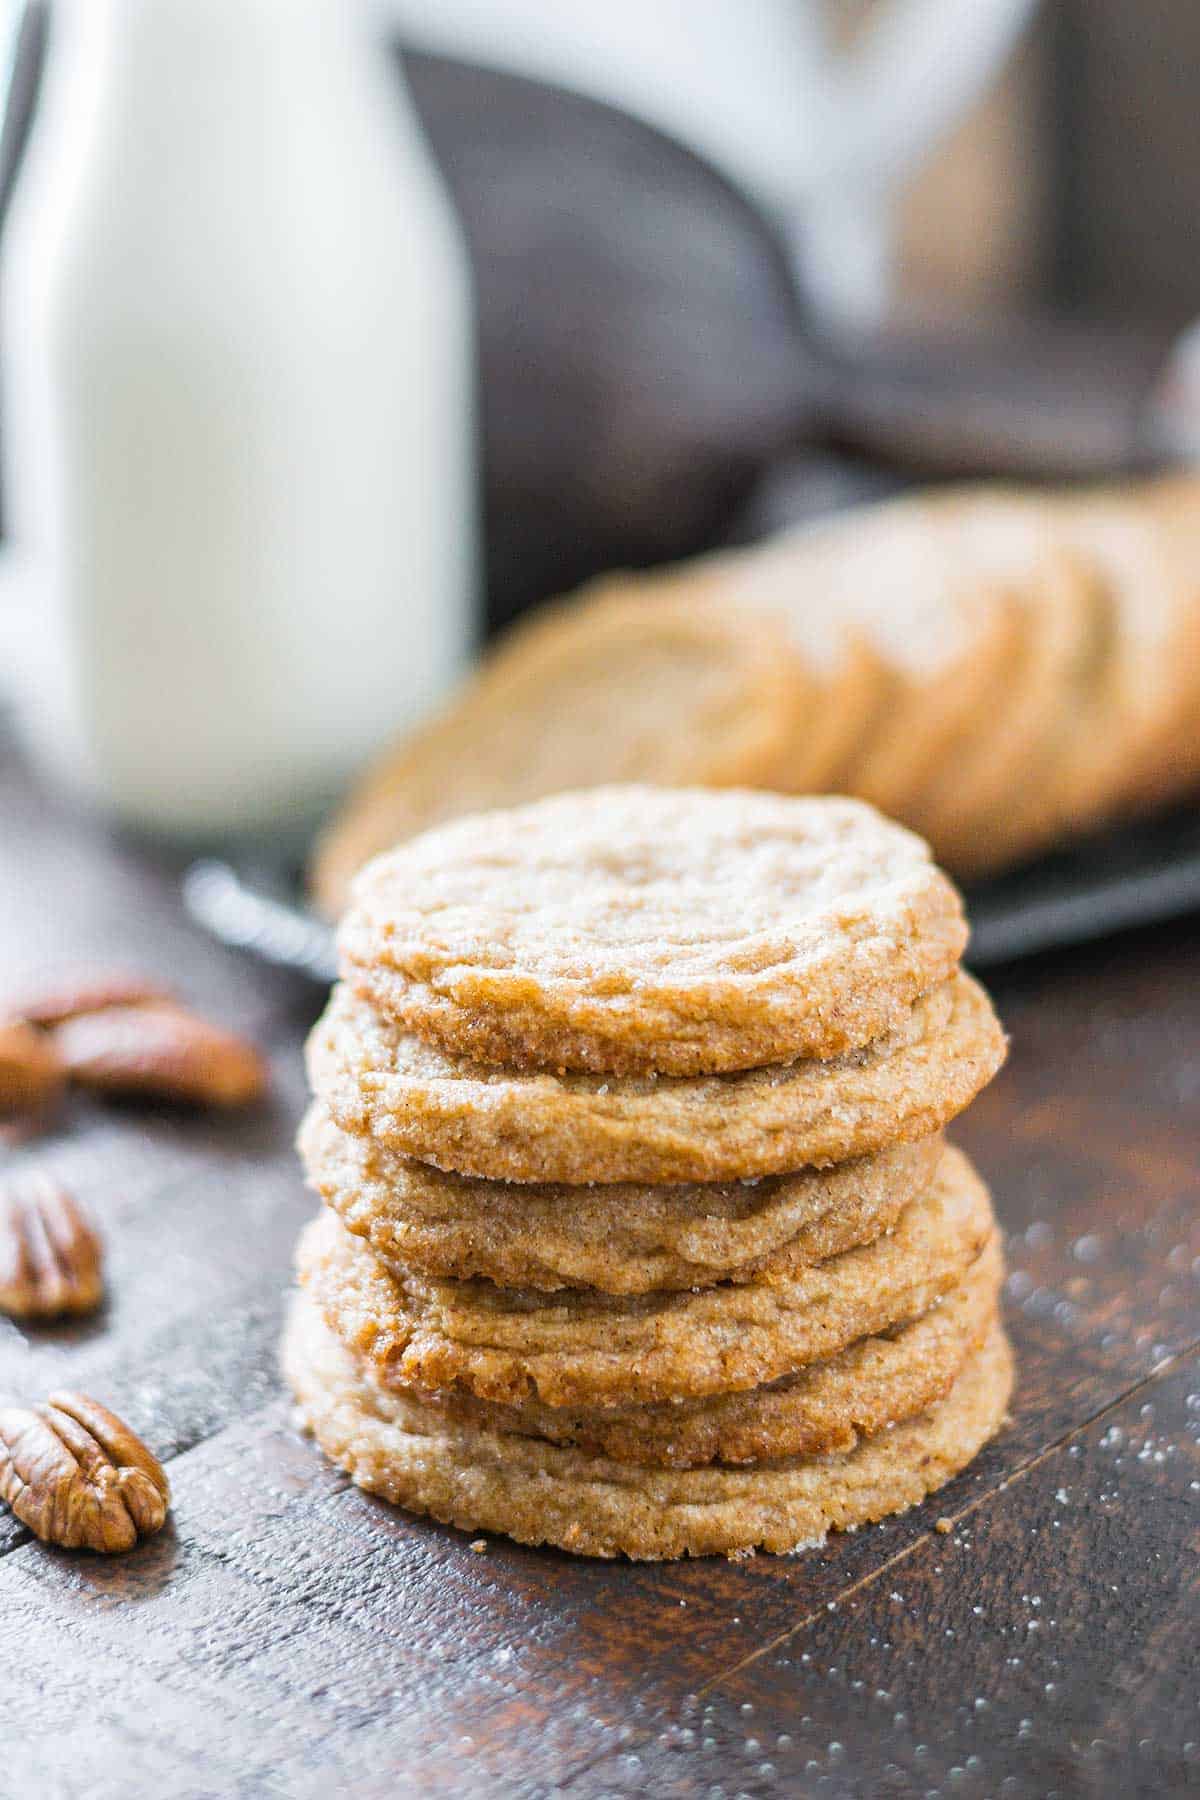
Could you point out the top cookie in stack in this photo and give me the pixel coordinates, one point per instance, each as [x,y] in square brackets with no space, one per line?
[636,931]
[577,1099]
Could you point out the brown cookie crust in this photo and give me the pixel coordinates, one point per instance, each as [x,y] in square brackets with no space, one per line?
[984,807]
[586,1348]
[1141,542]
[926,717]
[484,1121]
[621,1238]
[824,1408]
[541,1493]
[636,930]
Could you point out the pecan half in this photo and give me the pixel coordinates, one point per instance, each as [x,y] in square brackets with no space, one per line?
[77,1476]
[50,1255]
[84,993]
[30,1068]
[160,1051]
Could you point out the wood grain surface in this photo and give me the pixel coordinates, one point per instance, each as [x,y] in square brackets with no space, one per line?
[287,1635]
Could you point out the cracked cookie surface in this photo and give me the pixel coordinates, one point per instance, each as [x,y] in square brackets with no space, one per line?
[622,1238]
[587,1348]
[542,1493]
[876,1382]
[379,1080]
[630,930]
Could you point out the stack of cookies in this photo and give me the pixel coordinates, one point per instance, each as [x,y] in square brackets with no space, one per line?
[641,1235]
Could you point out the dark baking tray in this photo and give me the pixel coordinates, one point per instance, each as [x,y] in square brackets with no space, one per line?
[1140,875]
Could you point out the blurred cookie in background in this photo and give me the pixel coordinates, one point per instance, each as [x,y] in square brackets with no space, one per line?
[1003,668]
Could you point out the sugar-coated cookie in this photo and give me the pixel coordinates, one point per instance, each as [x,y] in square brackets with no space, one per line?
[636,930]
[621,1238]
[587,1348]
[828,1406]
[506,1125]
[542,1493]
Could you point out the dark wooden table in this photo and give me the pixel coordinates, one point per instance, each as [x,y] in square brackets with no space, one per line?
[287,1635]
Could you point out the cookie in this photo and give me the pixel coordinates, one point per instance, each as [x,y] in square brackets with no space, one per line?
[926,716]
[982,810]
[540,1493]
[623,1239]
[634,680]
[1168,763]
[637,930]
[1141,542]
[827,1407]
[484,1121]
[800,576]
[940,617]
[1174,776]
[854,684]
[587,1348]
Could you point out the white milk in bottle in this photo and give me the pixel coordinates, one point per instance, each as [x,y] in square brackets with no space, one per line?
[238,382]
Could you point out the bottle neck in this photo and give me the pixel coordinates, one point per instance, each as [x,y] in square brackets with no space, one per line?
[214,110]
[170,66]
[200,34]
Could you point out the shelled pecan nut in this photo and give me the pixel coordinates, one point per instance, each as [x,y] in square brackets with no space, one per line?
[31,1070]
[160,1051]
[85,992]
[77,1476]
[50,1254]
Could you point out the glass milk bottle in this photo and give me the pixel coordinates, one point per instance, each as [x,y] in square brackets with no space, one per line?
[238,382]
